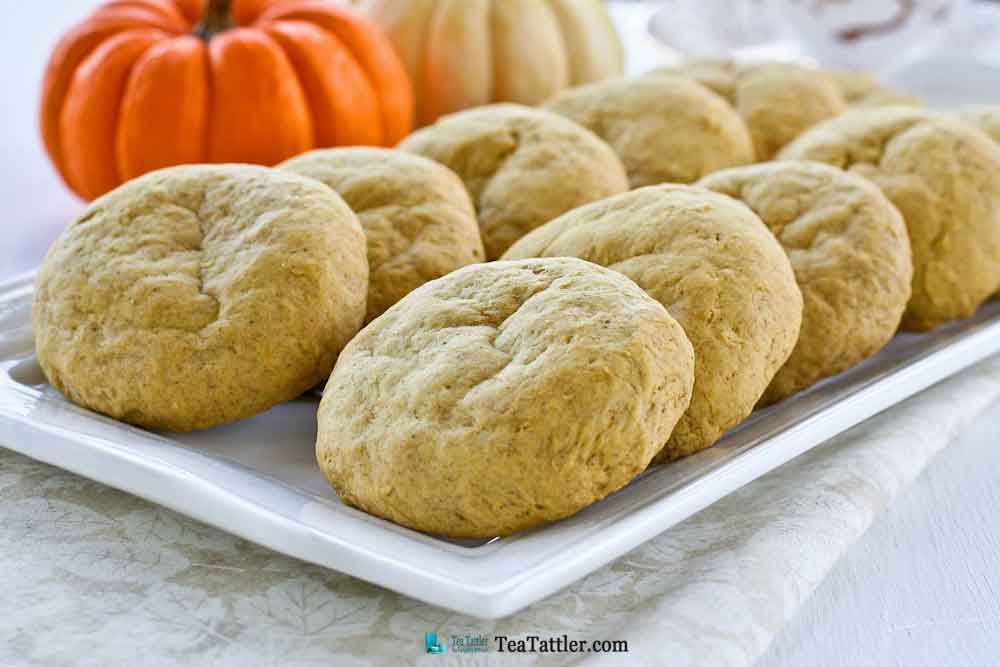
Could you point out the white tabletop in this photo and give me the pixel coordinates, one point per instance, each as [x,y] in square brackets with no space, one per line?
[921,588]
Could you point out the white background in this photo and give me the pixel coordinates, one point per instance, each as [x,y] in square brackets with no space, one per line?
[921,588]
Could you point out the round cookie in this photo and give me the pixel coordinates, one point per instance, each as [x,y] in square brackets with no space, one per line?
[417,217]
[502,396]
[851,256]
[862,89]
[944,177]
[716,268]
[778,101]
[986,119]
[521,166]
[665,129]
[199,295]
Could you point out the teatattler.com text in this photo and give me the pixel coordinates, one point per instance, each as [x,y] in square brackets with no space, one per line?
[563,644]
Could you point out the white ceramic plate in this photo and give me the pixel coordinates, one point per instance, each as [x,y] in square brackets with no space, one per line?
[257,479]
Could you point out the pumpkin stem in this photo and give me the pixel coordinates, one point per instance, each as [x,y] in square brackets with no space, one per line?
[218,17]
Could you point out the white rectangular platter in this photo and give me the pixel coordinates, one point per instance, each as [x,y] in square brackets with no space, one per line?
[258,478]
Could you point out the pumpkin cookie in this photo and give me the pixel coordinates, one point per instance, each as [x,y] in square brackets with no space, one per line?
[944,177]
[986,119]
[502,396]
[716,268]
[521,166]
[778,101]
[861,89]
[416,214]
[848,247]
[665,129]
[199,295]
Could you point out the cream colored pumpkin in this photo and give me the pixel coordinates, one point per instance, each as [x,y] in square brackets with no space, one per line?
[465,53]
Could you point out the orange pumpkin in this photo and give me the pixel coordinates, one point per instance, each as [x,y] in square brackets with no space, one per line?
[144,84]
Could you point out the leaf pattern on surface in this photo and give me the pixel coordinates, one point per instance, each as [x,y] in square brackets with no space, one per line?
[50,519]
[90,571]
[305,607]
[158,526]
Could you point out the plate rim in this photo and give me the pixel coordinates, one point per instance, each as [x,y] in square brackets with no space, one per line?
[451,583]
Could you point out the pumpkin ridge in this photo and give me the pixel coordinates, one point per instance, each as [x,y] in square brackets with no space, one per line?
[348,76]
[142,16]
[170,15]
[116,164]
[86,120]
[527,75]
[387,77]
[206,137]
[446,70]
[116,123]
[190,9]
[277,124]
[163,119]
[467,53]
[371,52]
[415,67]
[70,53]
[584,64]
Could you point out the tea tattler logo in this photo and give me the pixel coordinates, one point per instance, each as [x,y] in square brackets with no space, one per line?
[433,645]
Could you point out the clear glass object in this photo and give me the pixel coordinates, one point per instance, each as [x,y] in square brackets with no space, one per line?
[877,35]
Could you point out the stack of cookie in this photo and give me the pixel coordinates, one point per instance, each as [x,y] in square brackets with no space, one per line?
[518,310]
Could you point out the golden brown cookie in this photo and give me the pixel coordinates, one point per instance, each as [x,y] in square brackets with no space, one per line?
[719,272]
[778,101]
[195,296]
[862,89]
[851,256]
[417,217]
[502,396]
[944,177]
[521,166]
[665,129]
[986,118]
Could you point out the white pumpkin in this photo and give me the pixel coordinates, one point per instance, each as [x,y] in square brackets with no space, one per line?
[465,53]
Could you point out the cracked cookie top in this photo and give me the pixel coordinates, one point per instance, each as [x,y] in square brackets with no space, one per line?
[521,166]
[665,129]
[944,177]
[417,217]
[716,268]
[199,295]
[501,396]
[848,247]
